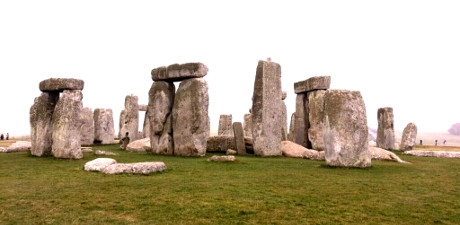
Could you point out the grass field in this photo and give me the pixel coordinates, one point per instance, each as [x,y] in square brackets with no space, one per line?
[253,190]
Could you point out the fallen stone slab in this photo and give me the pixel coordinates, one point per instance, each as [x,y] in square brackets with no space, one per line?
[293,150]
[382,154]
[86,149]
[312,84]
[99,164]
[141,145]
[19,146]
[100,152]
[135,168]
[231,152]
[223,158]
[179,72]
[61,84]
[438,154]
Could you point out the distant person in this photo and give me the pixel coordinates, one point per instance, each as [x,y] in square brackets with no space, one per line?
[421,142]
[444,142]
[125,141]
[2,137]
[436,143]
[7,136]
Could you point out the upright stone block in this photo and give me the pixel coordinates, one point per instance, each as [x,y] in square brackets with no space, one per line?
[301,120]
[129,119]
[284,129]
[61,84]
[179,72]
[41,123]
[267,109]
[161,101]
[225,125]
[385,130]
[291,134]
[312,84]
[316,119]
[409,137]
[146,126]
[345,134]
[239,138]
[247,125]
[66,124]
[190,118]
[87,128]
[104,130]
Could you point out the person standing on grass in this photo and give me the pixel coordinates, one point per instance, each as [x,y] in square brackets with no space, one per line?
[435,142]
[444,142]
[7,136]
[1,137]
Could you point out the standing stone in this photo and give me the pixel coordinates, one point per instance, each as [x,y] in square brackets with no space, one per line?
[130,118]
[66,125]
[41,123]
[104,130]
[146,126]
[385,131]
[301,120]
[161,101]
[239,138]
[87,127]
[247,125]
[345,134]
[266,109]
[225,125]
[284,129]
[316,119]
[291,134]
[190,118]
[409,137]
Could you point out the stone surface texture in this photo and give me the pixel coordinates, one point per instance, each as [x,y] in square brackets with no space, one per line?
[100,152]
[301,120]
[179,72]
[267,109]
[18,146]
[312,84]
[239,138]
[143,107]
[284,126]
[87,127]
[220,143]
[247,125]
[161,101]
[99,164]
[130,118]
[66,126]
[146,126]
[409,137]
[316,119]
[222,158]
[104,130]
[135,168]
[190,118]
[41,123]
[61,84]
[141,145]
[385,130]
[291,134]
[382,154]
[225,125]
[291,149]
[438,154]
[346,131]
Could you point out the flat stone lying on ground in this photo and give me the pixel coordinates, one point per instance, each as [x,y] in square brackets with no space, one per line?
[346,131]
[231,152]
[223,158]
[99,164]
[141,145]
[382,154]
[291,149]
[179,72]
[100,152]
[86,149]
[438,154]
[313,83]
[19,146]
[135,168]
[61,84]
[41,123]
[409,137]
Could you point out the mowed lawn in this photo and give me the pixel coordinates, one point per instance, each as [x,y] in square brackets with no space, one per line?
[253,190]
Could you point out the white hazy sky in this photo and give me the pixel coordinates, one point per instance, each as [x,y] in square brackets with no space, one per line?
[400,54]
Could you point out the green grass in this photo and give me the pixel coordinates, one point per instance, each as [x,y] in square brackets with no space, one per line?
[252,190]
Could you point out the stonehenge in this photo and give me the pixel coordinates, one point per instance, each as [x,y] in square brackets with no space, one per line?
[41,123]
[129,118]
[247,125]
[409,137]
[225,125]
[104,130]
[239,138]
[385,131]
[179,121]
[87,128]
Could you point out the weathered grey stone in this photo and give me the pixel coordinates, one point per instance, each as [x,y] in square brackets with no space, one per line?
[130,118]
[141,145]
[301,120]
[284,128]
[231,152]
[220,143]
[382,154]
[179,72]
[86,149]
[312,84]
[239,138]
[190,118]
[266,109]
[41,123]
[100,152]
[438,154]
[316,119]
[291,149]
[135,168]
[66,126]
[225,125]
[61,84]
[99,164]
[143,107]
[345,134]
[283,95]
[87,127]
[146,126]
[247,125]
[161,101]
[291,134]
[223,158]
[385,131]
[18,146]
[409,137]
[104,130]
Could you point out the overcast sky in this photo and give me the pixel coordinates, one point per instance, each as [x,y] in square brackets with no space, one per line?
[400,54]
